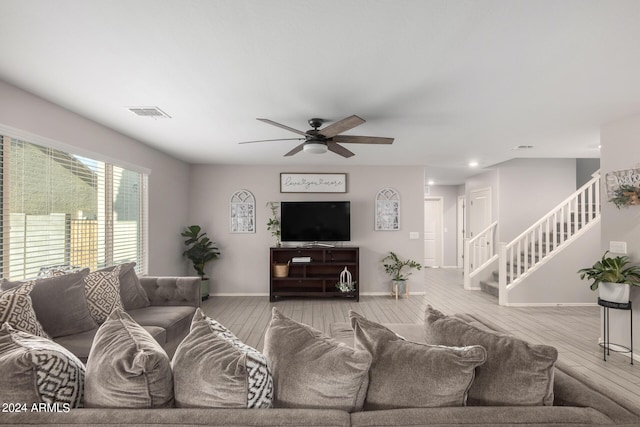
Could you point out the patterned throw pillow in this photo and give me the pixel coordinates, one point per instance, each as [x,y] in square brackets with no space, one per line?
[213,368]
[38,370]
[102,289]
[16,309]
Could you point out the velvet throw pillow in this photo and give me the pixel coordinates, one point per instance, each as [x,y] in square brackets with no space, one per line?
[212,368]
[127,368]
[516,373]
[60,304]
[406,374]
[16,309]
[102,289]
[36,370]
[311,370]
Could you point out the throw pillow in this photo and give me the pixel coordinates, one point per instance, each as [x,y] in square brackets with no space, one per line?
[516,373]
[312,370]
[60,304]
[213,368]
[406,374]
[16,309]
[127,368]
[102,289]
[37,370]
[131,292]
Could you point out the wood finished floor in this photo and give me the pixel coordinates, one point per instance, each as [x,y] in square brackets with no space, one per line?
[574,331]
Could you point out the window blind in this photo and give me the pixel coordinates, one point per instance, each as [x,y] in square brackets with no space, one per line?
[61,210]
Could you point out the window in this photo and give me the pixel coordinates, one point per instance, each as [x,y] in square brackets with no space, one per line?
[68,211]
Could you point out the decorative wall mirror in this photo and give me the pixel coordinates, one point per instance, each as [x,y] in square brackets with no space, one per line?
[387,206]
[243,212]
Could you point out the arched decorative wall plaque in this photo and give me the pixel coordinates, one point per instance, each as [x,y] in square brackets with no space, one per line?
[243,212]
[387,210]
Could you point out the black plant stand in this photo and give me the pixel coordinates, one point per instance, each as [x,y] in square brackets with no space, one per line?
[618,306]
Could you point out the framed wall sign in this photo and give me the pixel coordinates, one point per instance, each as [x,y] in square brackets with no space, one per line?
[623,187]
[387,214]
[313,182]
[242,212]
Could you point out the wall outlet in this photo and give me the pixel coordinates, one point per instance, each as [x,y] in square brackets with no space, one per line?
[414,235]
[618,247]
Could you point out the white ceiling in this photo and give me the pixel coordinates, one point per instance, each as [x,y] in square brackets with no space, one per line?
[452,81]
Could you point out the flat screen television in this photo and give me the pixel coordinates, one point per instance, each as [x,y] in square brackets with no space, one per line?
[315,221]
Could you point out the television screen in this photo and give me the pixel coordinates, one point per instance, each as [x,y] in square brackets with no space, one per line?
[315,221]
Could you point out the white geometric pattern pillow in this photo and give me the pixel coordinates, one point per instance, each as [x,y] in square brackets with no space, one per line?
[213,368]
[39,371]
[102,289]
[16,309]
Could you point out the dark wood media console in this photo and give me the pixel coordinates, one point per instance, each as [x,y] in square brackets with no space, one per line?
[316,278]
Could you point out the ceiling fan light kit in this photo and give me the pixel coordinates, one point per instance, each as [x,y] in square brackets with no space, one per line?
[320,141]
[315,148]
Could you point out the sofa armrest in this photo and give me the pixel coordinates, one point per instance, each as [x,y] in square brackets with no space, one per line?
[172,290]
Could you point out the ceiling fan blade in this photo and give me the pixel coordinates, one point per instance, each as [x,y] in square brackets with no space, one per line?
[339,149]
[342,126]
[355,139]
[268,140]
[295,150]
[271,122]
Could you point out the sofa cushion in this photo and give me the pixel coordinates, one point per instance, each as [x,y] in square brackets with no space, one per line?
[16,309]
[176,320]
[213,368]
[127,368]
[312,370]
[36,370]
[131,292]
[516,372]
[406,374]
[102,289]
[80,344]
[60,304]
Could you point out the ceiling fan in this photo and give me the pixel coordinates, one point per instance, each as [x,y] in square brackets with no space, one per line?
[318,141]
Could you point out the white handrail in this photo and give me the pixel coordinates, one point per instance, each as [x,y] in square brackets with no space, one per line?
[537,242]
[478,251]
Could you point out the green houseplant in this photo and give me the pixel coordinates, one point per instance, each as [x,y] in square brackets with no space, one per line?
[200,250]
[399,270]
[612,276]
[273,225]
[626,195]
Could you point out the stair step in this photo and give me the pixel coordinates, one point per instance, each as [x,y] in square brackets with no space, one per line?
[490,288]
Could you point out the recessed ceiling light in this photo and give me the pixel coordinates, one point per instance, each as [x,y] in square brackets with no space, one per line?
[473,164]
[153,112]
[430,182]
[522,147]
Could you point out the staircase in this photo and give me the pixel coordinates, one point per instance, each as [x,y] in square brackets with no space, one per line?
[529,251]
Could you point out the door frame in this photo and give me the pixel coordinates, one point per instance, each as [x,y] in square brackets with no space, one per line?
[470,210]
[461,215]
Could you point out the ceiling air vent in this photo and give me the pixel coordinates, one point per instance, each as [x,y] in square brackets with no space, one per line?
[153,112]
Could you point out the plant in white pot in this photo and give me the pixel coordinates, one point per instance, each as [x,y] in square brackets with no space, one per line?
[394,267]
[612,277]
[200,250]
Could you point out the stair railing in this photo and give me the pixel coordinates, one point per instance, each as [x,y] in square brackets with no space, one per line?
[529,249]
[479,251]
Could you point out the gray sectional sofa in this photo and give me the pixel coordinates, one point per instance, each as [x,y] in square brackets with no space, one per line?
[171,301]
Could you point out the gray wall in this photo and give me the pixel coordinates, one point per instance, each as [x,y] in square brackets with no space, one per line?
[244,265]
[528,189]
[584,169]
[620,152]
[168,181]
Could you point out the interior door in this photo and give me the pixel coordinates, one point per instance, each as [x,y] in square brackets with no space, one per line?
[479,217]
[460,230]
[433,232]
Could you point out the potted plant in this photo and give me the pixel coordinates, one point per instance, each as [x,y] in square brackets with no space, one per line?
[612,278]
[273,225]
[200,250]
[394,266]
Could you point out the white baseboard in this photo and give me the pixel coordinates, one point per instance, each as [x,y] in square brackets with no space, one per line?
[551,304]
[378,294]
[227,294]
